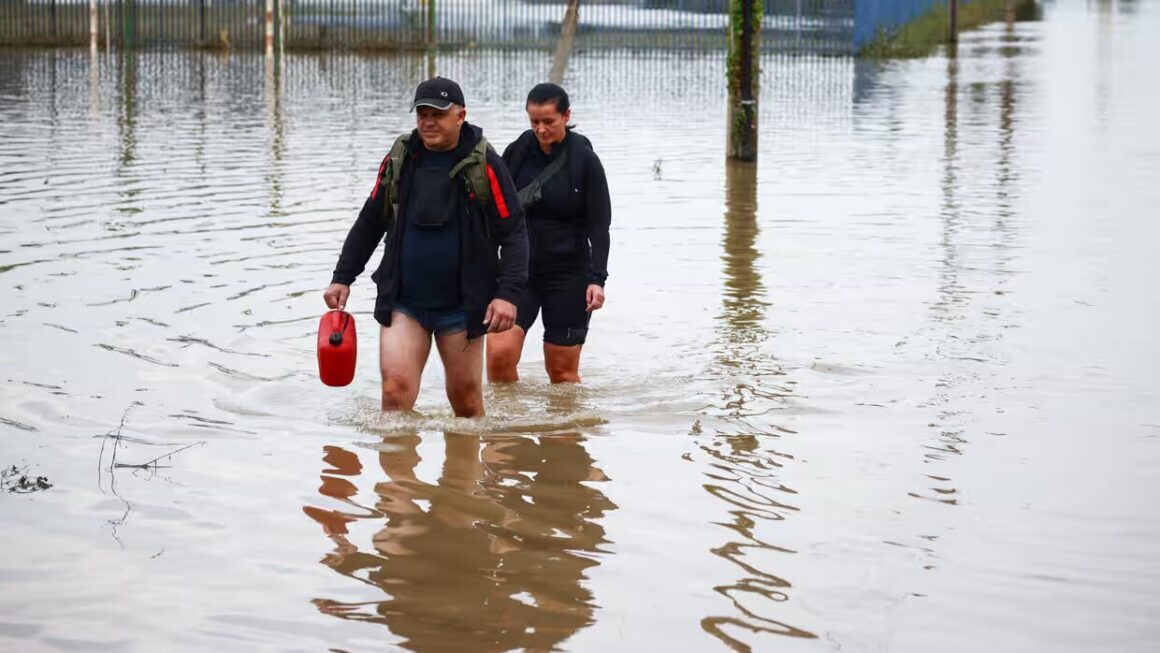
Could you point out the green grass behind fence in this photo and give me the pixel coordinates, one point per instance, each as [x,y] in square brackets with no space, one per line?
[920,37]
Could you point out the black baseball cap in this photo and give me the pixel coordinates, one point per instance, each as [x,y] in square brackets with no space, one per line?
[438,92]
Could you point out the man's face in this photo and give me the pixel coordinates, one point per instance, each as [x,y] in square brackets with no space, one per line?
[439,128]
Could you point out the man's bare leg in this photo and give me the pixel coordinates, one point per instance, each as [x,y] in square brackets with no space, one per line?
[503,355]
[463,365]
[562,363]
[403,350]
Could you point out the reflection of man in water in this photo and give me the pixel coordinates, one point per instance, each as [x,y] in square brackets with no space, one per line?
[490,558]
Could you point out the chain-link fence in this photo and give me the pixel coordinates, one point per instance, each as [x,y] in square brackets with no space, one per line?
[810,26]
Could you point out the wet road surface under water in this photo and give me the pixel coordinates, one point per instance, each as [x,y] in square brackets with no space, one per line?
[892,389]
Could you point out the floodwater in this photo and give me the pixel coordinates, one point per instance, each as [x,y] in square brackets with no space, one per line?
[892,389]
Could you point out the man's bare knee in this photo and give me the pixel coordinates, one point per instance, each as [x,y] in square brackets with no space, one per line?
[403,350]
[463,363]
[398,394]
[469,408]
[560,375]
[466,397]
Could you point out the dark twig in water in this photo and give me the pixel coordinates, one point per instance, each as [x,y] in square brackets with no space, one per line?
[116,441]
[114,523]
[151,466]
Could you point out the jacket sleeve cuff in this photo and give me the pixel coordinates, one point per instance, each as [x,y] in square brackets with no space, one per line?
[508,294]
[342,278]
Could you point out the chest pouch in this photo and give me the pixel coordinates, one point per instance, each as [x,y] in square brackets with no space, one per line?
[434,200]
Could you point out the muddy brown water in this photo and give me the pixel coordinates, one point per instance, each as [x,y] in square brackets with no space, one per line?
[893,389]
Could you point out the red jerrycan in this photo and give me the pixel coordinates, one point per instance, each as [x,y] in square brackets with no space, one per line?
[337,348]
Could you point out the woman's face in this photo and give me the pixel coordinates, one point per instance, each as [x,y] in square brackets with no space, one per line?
[547,122]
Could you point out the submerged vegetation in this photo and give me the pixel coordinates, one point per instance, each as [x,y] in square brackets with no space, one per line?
[16,479]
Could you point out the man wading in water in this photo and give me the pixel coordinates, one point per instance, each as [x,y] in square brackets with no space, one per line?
[456,255]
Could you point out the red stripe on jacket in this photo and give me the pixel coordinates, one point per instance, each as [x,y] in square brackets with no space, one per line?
[379,179]
[497,193]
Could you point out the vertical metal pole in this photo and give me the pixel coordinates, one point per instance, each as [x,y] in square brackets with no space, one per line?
[280,27]
[954,26]
[430,25]
[744,70]
[797,20]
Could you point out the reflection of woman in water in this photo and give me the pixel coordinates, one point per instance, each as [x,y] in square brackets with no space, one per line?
[490,558]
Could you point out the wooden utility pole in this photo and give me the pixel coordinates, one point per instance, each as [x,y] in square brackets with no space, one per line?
[744,70]
[564,46]
[431,26]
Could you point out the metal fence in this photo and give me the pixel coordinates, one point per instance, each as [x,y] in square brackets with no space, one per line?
[133,22]
[810,26]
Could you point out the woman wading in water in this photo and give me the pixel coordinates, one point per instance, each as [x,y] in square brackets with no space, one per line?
[568,212]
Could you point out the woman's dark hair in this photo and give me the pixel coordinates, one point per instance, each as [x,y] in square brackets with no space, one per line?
[547,92]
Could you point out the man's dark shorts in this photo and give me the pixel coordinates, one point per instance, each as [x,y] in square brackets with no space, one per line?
[440,322]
